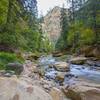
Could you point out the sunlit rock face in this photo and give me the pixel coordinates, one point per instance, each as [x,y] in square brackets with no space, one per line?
[51,24]
[15,89]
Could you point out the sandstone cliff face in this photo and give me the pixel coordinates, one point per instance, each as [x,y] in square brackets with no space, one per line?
[51,24]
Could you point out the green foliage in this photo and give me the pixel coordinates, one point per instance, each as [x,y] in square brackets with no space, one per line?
[80,35]
[82,26]
[7,38]
[70,38]
[45,46]
[75,30]
[61,43]
[32,38]
[19,25]
[87,37]
[3,11]
[6,58]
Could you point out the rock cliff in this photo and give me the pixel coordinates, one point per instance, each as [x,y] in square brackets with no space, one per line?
[51,24]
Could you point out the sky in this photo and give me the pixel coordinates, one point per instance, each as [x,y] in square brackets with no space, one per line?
[45,5]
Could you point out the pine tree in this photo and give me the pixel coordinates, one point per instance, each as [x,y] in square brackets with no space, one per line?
[62,41]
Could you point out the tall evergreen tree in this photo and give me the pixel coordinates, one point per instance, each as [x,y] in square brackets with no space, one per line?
[21,27]
[62,43]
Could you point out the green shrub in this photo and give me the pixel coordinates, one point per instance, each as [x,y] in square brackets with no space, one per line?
[80,35]
[87,36]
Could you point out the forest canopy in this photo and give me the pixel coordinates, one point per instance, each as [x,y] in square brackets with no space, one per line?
[20,27]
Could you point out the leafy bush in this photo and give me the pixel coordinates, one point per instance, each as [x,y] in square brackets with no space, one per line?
[80,35]
[87,37]
[3,11]
[74,33]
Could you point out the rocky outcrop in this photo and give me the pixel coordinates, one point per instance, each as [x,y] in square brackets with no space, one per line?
[15,89]
[83,91]
[57,94]
[91,51]
[51,24]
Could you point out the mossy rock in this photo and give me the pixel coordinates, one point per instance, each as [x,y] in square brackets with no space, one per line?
[16,67]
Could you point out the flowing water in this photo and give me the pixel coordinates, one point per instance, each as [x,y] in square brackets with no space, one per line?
[81,71]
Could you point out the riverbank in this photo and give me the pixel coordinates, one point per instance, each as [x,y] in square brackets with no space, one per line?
[53,78]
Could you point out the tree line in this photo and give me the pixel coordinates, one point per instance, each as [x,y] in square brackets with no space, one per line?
[20,28]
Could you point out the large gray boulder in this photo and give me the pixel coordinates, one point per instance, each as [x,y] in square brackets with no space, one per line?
[15,89]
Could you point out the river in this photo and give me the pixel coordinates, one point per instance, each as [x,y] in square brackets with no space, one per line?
[80,71]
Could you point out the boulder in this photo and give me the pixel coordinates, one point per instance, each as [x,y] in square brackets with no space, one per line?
[91,51]
[62,66]
[60,76]
[56,94]
[15,89]
[32,56]
[57,54]
[78,60]
[16,67]
[83,91]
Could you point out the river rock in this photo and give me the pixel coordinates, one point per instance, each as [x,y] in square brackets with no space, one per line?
[93,63]
[90,63]
[60,76]
[56,94]
[29,68]
[78,60]
[4,73]
[16,67]
[91,51]
[57,54]
[31,56]
[83,91]
[15,89]
[62,66]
